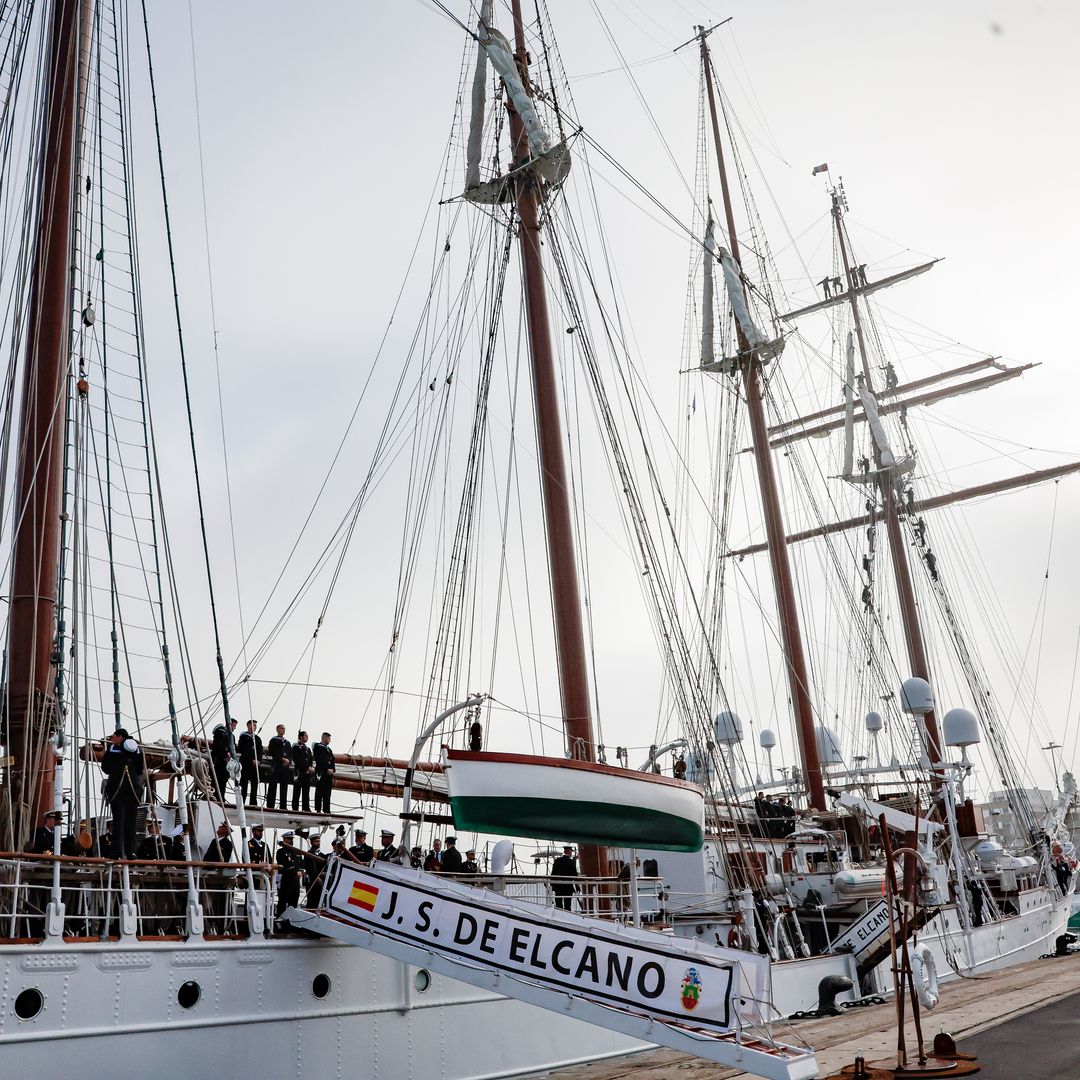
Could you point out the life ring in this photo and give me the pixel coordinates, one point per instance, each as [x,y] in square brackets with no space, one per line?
[924,975]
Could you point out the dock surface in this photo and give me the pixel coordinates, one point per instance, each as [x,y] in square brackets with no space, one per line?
[970,1008]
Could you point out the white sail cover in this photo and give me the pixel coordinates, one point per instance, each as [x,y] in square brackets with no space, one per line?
[479,104]
[502,60]
[733,281]
[869,404]
[849,408]
[708,354]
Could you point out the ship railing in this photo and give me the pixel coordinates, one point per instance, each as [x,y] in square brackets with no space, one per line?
[137,899]
[596,897]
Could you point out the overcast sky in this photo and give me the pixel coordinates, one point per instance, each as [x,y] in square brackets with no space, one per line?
[322,139]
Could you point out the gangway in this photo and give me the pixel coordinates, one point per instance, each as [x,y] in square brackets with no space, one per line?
[710,1002]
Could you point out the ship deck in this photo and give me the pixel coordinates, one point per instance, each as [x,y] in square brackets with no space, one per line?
[968,1007]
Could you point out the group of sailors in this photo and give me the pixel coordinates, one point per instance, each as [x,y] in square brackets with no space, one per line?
[301,765]
[776,818]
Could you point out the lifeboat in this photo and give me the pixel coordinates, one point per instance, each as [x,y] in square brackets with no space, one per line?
[576,801]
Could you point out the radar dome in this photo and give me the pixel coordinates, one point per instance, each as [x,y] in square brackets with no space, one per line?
[960,727]
[917,697]
[767,739]
[728,728]
[873,722]
[828,747]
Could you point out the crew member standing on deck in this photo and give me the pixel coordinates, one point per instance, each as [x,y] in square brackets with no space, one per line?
[125,772]
[291,862]
[452,861]
[362,851]
[257,852]
[563,871]
[221,751]
[324,773]
[280,750]
[303,770]
[43,838]
[249,747]
[388,851]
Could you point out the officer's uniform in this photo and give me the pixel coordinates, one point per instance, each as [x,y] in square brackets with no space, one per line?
[124,770]
[280,771]
[257,849]
[324,776]
[249,747]
[291,861]
[220,752]
[362,851]
[302,764]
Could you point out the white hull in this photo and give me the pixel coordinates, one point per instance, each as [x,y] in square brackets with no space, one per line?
[993,946]
[110,1006]
[1012,941]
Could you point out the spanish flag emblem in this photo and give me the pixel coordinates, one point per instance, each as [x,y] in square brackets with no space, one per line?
[364,895]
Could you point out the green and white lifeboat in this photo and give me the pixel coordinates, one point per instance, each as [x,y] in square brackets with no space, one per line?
[575,801]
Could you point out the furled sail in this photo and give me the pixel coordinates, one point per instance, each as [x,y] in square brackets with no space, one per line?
[881,441]
[708,354]
[849,408]
[502,60]
[733,281]
[479,104]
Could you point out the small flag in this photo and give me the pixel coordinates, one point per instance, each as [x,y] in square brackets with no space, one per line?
[819,168]
[364,895]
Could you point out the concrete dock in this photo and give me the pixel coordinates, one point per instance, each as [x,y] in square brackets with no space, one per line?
[976,1011]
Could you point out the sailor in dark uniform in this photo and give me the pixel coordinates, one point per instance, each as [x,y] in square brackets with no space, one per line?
[388,851]
[280,750]
[220,849]
[43,838]
[452,861]
[315,869]
[564,867]
[291,861]
[324,773]
[469,866]
[249,748]
[125,771]
[257,852]
[154,845]
[362,851]
[221,752]
[303,770]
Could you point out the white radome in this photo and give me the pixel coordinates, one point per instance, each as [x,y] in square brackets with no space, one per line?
[960,727]
[728,728]
[917,697]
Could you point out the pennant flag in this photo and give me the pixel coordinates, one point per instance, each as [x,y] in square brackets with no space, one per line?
[364,895]
[819,168]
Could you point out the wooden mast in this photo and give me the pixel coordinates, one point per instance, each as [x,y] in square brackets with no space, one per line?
[905,587]
[790,631]
[562,560]
[31,672]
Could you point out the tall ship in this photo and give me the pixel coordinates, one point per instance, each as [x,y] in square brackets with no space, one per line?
[171,911]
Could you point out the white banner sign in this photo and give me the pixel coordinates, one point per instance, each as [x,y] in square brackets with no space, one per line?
[633,969]
[869,932]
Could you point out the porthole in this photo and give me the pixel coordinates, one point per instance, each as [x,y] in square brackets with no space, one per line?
[28,1004]
[320,985]
[188,995]
[423,980]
